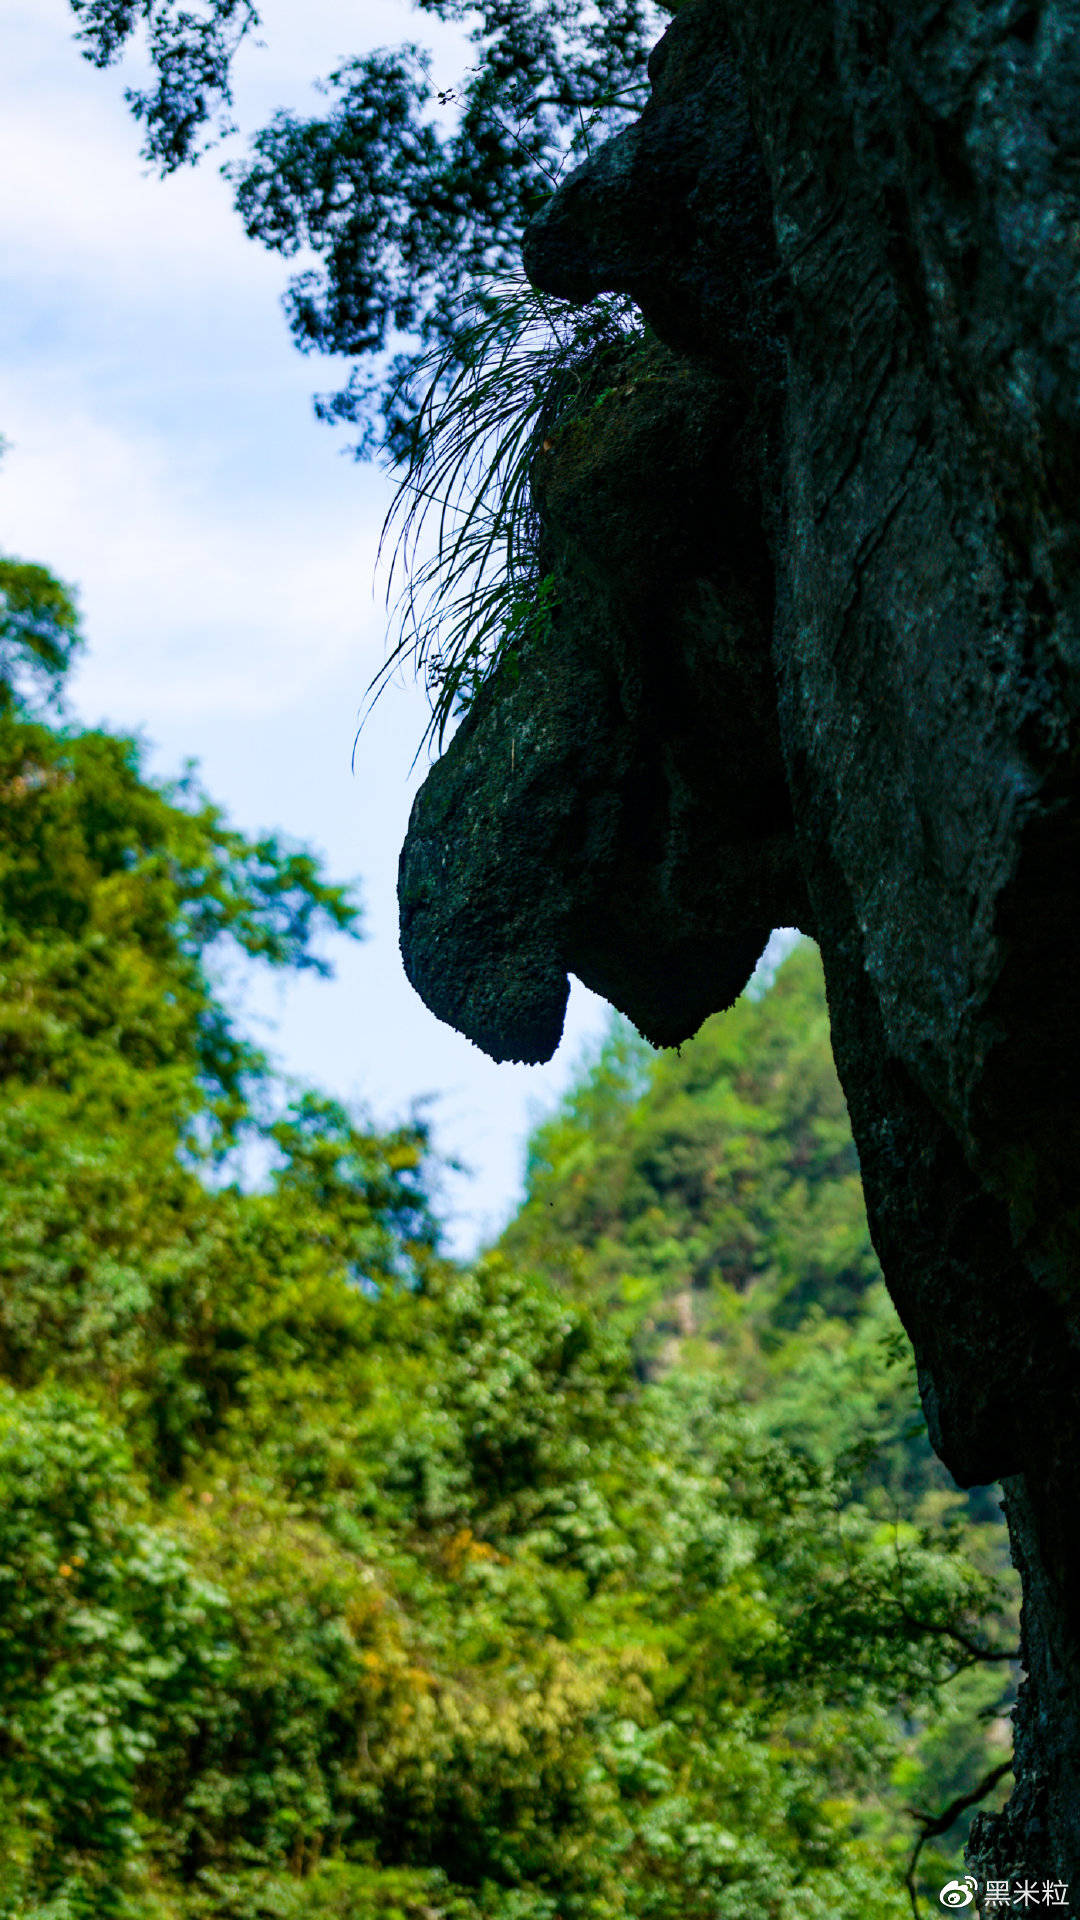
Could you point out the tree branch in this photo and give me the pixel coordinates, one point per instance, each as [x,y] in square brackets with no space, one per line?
[934,1824]
[971,1647]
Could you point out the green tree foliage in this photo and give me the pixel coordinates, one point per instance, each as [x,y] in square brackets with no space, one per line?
[403,198]
[190,52]
[39,631]
[108,1647]
[709,1201]
[337,1580]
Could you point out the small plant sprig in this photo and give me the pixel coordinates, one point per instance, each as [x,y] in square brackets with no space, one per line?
[468,607]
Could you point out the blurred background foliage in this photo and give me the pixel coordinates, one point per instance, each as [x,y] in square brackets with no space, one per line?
[611,1578]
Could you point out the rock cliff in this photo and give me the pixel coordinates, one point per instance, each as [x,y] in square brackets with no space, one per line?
[817,660]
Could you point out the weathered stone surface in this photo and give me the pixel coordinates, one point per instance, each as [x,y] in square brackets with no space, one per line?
[568,824]
[655,210]
[862,217]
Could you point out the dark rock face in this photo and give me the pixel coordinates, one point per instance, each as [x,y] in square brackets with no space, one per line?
[861,218]
[568,825]
[687,180]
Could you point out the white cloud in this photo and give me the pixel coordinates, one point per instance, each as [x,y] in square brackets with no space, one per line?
[195,601]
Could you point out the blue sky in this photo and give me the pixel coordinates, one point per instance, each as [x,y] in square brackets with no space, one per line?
[164,459]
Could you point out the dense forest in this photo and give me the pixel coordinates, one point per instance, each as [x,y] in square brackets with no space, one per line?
[608,1578]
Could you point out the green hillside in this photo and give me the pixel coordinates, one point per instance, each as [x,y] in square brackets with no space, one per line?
[707,1202]
[612,1579]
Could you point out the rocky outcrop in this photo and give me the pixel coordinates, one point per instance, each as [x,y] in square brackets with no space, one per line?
[569,823]
[862,219]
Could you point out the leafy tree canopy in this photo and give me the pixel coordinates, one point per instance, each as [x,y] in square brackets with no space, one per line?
[39,633]
[403,199]
[117,895]
[607,1579]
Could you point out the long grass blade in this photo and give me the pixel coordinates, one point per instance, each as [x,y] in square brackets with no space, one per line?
[518,356]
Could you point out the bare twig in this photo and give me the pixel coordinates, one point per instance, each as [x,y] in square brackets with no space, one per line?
[933,1824]
[946,1631]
